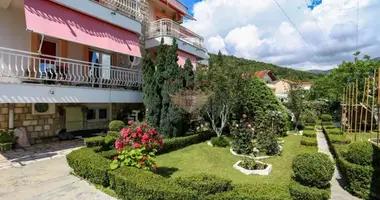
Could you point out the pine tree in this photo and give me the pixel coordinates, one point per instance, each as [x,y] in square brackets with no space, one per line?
[151,99]
[171,123]
[189,75]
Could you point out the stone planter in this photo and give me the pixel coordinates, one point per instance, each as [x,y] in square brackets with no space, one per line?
[263,172]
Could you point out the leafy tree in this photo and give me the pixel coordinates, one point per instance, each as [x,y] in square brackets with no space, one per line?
[297,102]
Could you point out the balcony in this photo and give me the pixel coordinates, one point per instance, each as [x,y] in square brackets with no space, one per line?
[129,8]
[27,67]
[167,27]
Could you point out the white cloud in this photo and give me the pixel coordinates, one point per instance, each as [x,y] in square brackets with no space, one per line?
[259,30]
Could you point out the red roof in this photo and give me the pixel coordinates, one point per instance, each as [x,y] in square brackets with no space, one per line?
[262,73]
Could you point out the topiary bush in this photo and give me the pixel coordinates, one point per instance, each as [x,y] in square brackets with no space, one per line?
[116,125]
[115,134]
[326,118]
[360,153]
[109,142]
[313,169]
[94,141]
[309,128]
[318,122]
[309,141]
[300,192]
[339,139]
[221,141]
[333,131]
[205,184]
[310,134]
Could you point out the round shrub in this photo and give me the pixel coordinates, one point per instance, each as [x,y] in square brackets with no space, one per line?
[300,192]
[360,153]
[221,141]
[205,183]
[116,125]
[313,169]
[326,118]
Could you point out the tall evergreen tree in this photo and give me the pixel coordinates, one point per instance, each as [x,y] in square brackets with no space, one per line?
[172,117]
[189,74]
[151,98]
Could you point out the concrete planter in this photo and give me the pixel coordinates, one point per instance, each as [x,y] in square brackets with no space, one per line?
[263,172]
[248,156]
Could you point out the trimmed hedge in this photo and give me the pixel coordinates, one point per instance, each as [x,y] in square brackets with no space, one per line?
[116,125]
[309,133]
[140,184]
[221,141]
[326,118]
[333,131]
[318,122]
[339,139]
[205,184]
[309,128]
[308,141]
[89,165]
[172,144]
[115,134]
[328,123]
[110,154]
[360,153]
[313,170]
[300,192]
[94,141]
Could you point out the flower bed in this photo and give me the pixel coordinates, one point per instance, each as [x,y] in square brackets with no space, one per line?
[252,167]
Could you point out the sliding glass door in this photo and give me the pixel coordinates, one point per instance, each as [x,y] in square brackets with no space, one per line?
[100,69]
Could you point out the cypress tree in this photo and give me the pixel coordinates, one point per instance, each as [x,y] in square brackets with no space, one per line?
[189,75]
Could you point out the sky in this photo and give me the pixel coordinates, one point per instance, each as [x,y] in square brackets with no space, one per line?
[331,30]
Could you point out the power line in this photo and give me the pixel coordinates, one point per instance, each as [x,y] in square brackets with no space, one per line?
[296,28]
[316,22]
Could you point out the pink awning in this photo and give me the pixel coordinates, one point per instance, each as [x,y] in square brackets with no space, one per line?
[51,19]
[182,56]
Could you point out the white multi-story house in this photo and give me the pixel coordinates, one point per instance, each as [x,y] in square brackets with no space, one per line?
[71,65]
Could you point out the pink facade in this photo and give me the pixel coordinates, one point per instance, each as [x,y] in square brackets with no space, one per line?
[51,19]
[182,56]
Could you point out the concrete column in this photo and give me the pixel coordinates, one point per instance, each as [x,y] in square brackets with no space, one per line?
[11,117]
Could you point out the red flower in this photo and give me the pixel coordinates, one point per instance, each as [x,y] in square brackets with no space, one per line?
[144,124]
[125,132]
[144,157]
[141,163]
[130,122]
[136,145]
[115,158]
[138,129]
[126,140]
[119,145]
[244,116]
[134,135]
[145,136]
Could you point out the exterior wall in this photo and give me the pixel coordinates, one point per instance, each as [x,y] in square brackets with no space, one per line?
[182,56]
[76,51]
[267,79]
[282,87]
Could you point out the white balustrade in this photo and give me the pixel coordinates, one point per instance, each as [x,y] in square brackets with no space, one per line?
[24,66]
[130,8]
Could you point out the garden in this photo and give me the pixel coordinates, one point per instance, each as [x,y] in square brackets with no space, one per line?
[213,134]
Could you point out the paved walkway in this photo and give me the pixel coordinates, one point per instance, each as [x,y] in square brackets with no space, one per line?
[337,191]
[49,179]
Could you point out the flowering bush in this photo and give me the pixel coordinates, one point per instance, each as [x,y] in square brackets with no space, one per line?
[137,146]
[243,135]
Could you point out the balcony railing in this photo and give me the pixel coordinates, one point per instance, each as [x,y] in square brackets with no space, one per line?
[129,8]
[22,66]
[167,27]
[178,5]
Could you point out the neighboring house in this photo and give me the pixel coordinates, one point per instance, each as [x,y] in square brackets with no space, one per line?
[74,64]
[268,77]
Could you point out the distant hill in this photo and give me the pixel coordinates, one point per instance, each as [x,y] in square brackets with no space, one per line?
[316,71]
[280,72]
[375,59]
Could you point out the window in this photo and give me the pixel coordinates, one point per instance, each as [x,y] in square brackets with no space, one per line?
[103,113]
[91,114]
[97,114]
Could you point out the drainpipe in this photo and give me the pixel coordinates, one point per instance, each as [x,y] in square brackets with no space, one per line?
[11,115]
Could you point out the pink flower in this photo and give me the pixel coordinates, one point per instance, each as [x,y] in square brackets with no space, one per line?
[136,145]
[145,136]
[125,132]
[138,129]
[153,131]
[119,145]
[249,125]
[244,116]
[144,124]
[134,135]
[130,122]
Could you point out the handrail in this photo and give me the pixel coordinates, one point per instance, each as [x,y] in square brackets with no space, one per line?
[167,27]
[129,8]
[24,65]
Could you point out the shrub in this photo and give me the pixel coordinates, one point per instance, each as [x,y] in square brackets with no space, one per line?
[89,165]
[7,137]
[339,139]
[328,123]
[205,183]
[5,147]
[131,182]
[326,118]
[334,131]
[360,153]
[309,128]
[116,125]
[308,141]
[94,141]
[300,192]
[313,169]
[308,133]
[110,154]
[171,144]
[318,122]
[331,127]
[109,142]
[242,137]
[221,141]
[251,164]
[299,126]
[115,134]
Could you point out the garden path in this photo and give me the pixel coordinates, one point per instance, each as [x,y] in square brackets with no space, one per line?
[337,184]
[48,179]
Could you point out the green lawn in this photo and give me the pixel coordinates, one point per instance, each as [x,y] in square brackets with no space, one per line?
[201,158]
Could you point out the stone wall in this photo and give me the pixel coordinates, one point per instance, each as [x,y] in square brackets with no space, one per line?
[4,117]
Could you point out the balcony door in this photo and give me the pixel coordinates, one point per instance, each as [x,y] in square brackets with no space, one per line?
[100,69]
[47,63]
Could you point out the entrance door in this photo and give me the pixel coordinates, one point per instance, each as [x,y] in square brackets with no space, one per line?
[74,119]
